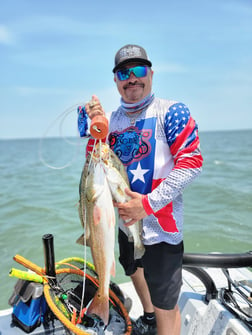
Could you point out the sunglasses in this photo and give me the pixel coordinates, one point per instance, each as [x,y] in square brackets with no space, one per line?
[138,71]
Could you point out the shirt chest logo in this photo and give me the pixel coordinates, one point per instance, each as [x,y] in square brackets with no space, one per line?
[131,145]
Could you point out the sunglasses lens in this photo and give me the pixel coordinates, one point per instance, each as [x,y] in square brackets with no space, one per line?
[138,71]
[123,74]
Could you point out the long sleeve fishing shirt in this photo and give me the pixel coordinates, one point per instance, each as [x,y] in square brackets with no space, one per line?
[159,146]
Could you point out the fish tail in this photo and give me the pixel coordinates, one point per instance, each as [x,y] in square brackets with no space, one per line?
[139,250]
[100,307]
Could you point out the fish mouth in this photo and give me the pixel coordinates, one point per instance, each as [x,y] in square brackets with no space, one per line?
[101,152]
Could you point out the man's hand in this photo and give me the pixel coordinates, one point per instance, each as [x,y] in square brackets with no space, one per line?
[94,107]
[133,210]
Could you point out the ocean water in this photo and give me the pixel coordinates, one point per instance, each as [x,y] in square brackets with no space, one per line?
[38,197]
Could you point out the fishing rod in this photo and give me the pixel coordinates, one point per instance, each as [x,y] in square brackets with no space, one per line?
[61,283]
[233,303]
[237,286]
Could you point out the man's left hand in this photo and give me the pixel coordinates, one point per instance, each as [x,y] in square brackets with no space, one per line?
[133,210]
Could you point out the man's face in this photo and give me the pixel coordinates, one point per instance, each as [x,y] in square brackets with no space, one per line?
[134,89]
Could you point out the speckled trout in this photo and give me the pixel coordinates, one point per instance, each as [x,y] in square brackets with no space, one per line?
[117,180]
[103,180]
[98,217]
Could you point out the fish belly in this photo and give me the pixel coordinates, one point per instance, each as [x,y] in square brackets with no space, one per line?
[101,222]
[117,186]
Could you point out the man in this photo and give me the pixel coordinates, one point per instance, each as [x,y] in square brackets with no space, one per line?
[157,141]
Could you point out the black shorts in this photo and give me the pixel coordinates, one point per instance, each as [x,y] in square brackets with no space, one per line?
[162,265]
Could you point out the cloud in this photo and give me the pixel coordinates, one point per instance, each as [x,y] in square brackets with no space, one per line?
[5,35]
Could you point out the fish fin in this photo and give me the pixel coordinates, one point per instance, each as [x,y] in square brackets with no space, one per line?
[139,248]
[81,240]
[100,307]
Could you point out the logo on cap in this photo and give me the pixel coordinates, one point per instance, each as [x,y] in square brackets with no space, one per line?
[130,51]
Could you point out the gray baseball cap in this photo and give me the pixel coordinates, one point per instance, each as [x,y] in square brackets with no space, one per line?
[130,53]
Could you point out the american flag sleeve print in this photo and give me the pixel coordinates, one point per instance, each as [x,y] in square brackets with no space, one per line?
[183,140]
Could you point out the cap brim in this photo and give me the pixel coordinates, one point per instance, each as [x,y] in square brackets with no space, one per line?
[132,60]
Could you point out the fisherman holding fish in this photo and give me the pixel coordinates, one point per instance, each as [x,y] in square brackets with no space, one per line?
[157,142]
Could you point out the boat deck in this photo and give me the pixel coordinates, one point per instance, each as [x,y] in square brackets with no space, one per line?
[198,316]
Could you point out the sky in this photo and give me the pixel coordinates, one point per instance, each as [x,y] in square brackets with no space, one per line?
[55,55]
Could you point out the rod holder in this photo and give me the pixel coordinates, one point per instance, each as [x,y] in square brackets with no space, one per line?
[49,257]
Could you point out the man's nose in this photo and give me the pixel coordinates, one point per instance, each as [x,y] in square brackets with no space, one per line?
[132,76]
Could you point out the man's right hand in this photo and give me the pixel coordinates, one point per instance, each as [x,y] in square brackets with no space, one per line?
[94,107]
